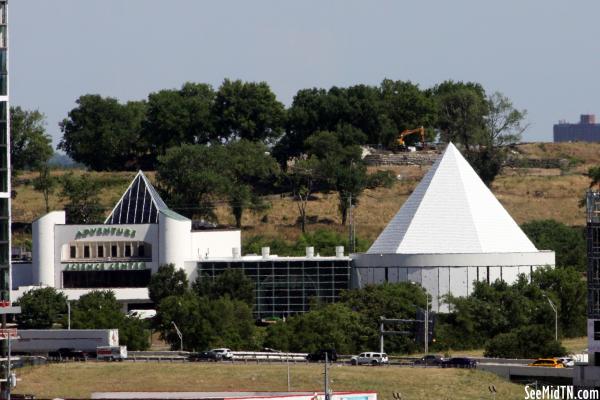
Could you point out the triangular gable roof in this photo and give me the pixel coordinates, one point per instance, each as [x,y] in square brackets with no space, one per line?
[451,211]
[140,204]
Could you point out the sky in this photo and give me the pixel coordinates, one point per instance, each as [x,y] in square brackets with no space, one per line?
[543,55]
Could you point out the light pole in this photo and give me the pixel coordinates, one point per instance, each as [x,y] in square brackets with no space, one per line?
[426,323]
[555,316]
[68,315]
[178,334]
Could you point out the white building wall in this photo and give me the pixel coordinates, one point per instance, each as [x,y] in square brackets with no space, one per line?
[43,257]
[174,240]
[459,281]
[214,244]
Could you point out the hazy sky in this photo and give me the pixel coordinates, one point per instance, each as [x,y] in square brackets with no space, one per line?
[544,55]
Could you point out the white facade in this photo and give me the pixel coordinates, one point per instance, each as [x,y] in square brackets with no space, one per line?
[117,256]
[451,232]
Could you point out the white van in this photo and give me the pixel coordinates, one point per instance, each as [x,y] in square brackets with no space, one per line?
[111,353]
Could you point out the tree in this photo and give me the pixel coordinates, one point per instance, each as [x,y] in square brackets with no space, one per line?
[45,183]
[247,110]
[232,283]
[594,175]
[568,290]
[461,111]
[30,146]
[100,309]
[407,107]
[167,281]
[104,134]
[206,323]
[191,177]
[341,165]
[392,300]
[503,122]
[503,126]
[323,327]
[41,308]
[532,341]
[567,242]
[250,170]
[82,201]
[303,177]
[175,117]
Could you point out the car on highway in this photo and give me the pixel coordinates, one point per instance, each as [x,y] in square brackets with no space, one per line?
[568,362]
[320,354]
[547,362]
[459,362]
[429,359]
[369,358]
[204,356]
[224,353]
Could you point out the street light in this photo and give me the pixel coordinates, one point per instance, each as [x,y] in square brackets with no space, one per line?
[68,315]
[178,334]
[555,316]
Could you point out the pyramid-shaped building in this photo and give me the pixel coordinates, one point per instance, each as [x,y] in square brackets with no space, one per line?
[450,232]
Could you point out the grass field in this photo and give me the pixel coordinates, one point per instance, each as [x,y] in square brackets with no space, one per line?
[79,380]
[527,193]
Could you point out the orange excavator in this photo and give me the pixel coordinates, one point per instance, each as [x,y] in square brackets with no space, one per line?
[407,132]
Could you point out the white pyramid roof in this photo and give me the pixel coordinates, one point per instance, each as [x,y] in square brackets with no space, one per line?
[451,211]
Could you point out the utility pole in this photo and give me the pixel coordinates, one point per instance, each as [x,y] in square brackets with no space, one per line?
[426,327]
[179,335]
[326,377]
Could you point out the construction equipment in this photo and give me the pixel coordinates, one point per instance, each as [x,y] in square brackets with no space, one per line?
[407,132]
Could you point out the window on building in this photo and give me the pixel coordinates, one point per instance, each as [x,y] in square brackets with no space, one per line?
[86,251]
[106,279]
[100,251]
[596,330]
[141,251]
[127,250]
[73,252]
[113,250]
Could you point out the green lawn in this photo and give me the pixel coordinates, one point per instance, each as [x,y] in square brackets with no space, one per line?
[79,380]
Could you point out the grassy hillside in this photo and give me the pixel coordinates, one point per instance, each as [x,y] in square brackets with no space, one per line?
[79,380]
[527,193]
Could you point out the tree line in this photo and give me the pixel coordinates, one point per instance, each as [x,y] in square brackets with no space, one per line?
[499,317]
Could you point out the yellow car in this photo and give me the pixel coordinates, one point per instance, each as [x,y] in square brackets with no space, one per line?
[547,362]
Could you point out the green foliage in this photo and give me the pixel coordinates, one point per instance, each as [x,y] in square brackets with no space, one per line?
[392,300]
[45,183]
[189,176]
[499,308]
[206,323]
[594,175]
[568,243]
[380,179]
[41,308]
[175,117]
[534,341]
[167,281]
[82,201]
[232,283]
[104,134]
[247,110]
[328,326]
[461,110]
[30,146]
[193,177]
[100,309]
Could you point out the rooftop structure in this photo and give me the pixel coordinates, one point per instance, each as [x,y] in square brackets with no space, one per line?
[450,232]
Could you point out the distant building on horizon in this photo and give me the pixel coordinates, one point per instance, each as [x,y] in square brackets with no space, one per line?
[587,130]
